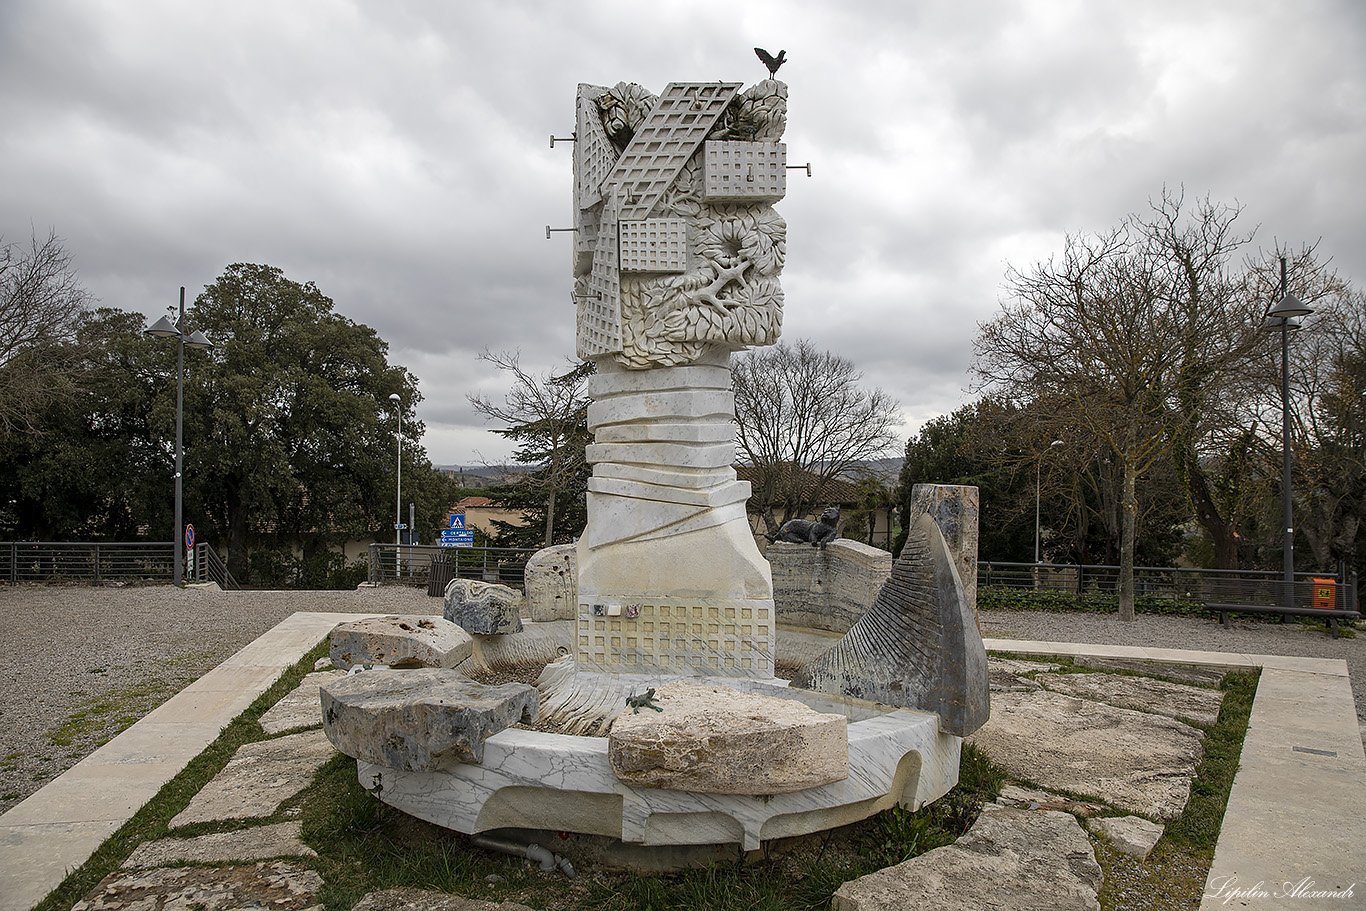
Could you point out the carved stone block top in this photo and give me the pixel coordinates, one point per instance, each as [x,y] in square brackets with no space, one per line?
[420,720]
[678,249]
[718,740]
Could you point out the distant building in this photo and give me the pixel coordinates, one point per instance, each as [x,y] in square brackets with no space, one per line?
[481,513]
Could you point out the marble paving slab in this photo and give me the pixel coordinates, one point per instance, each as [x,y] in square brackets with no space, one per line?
[301,707]
[258,778]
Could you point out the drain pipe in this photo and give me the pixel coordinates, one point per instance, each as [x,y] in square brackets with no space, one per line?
[533,852]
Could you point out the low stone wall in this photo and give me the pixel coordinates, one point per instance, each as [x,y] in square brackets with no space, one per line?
[826,588]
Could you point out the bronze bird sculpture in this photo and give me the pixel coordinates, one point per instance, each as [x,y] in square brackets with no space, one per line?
[770,61]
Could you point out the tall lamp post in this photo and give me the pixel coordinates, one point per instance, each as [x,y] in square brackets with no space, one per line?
[163,328]
[1038,470]
[1288,307]
[398,475]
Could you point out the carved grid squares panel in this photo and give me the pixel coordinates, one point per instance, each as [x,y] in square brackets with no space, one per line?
[726,640]
[662,145]
[599,320]
[653,245]
[593,152]
[745,170]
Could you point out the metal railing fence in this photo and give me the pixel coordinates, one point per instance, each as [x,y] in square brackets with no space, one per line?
[107,561]
[1178,588]
[411,564]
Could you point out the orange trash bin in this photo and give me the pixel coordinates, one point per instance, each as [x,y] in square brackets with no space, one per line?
[1325,593]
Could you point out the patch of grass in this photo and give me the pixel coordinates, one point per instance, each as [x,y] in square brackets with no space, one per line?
[1198,826]
[103,711]
[153,820]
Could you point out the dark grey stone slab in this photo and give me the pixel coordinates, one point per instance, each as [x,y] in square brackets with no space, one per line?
[420,720]
[483,608]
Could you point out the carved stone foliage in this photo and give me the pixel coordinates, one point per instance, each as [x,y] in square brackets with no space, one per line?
[702,156]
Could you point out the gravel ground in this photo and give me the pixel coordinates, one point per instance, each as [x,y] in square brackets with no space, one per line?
[85,662]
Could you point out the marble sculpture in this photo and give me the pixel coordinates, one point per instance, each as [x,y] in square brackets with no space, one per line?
[677,260]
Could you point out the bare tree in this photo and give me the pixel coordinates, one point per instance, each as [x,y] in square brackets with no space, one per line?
[42,306]
[1088,331]
[803,418]
[547,414]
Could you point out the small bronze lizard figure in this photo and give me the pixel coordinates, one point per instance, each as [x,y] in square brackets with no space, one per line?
[644,701]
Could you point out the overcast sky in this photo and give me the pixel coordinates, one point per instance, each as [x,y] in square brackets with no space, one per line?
[398,155]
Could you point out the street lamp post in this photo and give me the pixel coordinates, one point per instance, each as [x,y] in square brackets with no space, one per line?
[398,475]
[163,328]
[1038,469]
[1287,308]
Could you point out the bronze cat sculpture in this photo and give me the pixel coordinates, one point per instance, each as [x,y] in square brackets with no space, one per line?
[803,531]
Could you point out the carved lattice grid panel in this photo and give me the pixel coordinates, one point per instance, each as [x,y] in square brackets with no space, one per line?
[674,129]
[653,245]
[745,171]
[599,318]
[593,152]
[730,640]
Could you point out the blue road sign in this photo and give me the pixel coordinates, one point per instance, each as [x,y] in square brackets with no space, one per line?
[457,539]
[189,537]
[458,522]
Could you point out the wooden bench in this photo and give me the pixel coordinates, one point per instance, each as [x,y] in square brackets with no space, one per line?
[1331,616]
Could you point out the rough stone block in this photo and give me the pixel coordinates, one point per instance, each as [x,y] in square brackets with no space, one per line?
[1010,860]
[717,740]
[1132,835]
[829,587]
[420,720]
[483,608]
[1139,762]
[955,510]
[399,642]
[552,583]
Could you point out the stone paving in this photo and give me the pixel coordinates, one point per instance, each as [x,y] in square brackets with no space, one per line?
[1295,810]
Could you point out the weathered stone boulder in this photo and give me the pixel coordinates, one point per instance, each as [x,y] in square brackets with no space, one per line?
[1132,835]
[420,720]
[1010,860]
[1142,694]
[827,587]
[552,583]
[717,740]
[1142,763]
[483,608]
[399,642]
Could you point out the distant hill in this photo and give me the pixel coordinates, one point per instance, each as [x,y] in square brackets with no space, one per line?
[479,475]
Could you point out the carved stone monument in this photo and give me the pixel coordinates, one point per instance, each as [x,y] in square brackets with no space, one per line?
[677,259]
[670,650]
